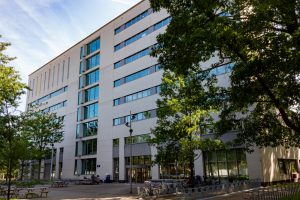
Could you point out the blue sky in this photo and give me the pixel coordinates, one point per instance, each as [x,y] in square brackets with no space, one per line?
[39,30]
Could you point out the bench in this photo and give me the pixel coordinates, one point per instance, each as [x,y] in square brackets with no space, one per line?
[36,192]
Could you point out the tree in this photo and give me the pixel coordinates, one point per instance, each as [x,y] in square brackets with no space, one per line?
[42,129]
[11,90]
[261,39]
[177,134]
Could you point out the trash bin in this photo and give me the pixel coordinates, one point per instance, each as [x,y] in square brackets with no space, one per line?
[295,177]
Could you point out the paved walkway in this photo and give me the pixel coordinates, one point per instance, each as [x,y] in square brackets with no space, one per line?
[112,191]
[109,191]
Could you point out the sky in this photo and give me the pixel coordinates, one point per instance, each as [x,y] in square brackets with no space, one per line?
[40,30]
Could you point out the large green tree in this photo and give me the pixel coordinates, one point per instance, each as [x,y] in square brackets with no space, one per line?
[42,130]
[182,122]
[261,39]
[11,89]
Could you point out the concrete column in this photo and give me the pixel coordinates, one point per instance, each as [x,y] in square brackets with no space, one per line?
[104,157]
[199,164]
[154,168]
[155,172]
[57,163]
[122,169]
[79,167]
[254,163]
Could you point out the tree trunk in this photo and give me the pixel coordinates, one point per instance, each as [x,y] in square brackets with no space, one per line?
[9,179]
[22,170]
[39,169]
[191,165]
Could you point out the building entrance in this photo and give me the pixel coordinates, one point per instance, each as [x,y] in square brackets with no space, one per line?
[139,173]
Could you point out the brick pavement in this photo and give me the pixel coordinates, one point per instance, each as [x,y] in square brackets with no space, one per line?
[113,191]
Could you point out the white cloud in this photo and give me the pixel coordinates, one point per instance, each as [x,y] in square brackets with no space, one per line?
[39,30]
[126,2]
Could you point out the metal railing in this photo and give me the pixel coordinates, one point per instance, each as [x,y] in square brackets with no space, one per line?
[179,189]
[218,189]
[275,192]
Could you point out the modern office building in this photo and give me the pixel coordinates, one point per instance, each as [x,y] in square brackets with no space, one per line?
[95,85]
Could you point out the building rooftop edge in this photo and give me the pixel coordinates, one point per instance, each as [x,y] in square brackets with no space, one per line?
[87,36]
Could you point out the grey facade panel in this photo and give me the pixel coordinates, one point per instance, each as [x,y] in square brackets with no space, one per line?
[137,149]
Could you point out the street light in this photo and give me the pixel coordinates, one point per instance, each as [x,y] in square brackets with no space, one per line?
[128,124]
[51,163]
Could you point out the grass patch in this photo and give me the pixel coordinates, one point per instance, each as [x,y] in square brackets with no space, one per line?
[31,183]
[295,197]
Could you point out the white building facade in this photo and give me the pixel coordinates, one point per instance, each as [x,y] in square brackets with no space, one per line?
[97,82]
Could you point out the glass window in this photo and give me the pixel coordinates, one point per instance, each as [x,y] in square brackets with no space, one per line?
[117,83]
[93,61]
[137,75]
[117,102]
[90,128]
[80,82]
[117,30]
[88,166]
[92,77]
[158,89]
[78,131]
[162,23]
[226,164]
[116,142]
[91,111]
[133,21]
[117,121]
[132,58]
[118,47]
[79,98]
[92,94]
[81,52]
[78,114]
[89,147]
[80,67]
[127,118]
[117,64]
[138,139]
[93,46]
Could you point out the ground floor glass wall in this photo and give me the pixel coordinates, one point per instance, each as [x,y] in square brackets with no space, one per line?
[174,171]
[116,169]
[225,164]
[141,168]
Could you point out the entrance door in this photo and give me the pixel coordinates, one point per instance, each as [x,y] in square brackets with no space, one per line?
[139,174]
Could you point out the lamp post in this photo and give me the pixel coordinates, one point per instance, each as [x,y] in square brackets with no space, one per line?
[51,163]
[128,124]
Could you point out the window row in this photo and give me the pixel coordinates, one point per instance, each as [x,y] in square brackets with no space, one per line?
[135,117]
[90,79]
[93,61]
[49,96]
[86,147]
[133,21]
[137,95]
[137,75]
[93,46]
[226,163]
[90,94]
[139,160]
[89,111]
[90,48]
[134,57]
[143,33]
[88,166]
[55,107]
[87,129]
[137,139]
